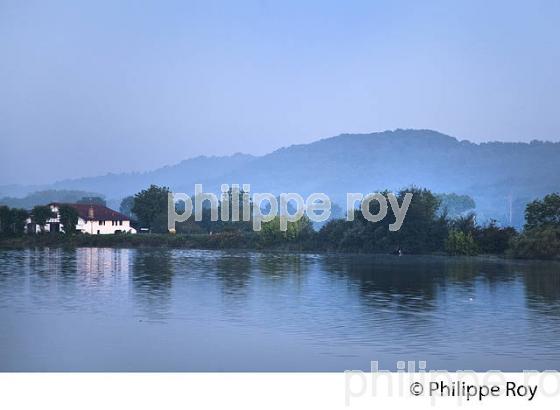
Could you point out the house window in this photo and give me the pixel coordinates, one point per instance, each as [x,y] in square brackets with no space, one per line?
[120,222]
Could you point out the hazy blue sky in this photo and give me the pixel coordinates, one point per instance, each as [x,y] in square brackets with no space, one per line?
[92,87]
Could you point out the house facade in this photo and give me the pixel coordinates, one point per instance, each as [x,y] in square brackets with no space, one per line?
[93,219]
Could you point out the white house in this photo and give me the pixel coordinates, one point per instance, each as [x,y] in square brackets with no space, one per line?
[93,219]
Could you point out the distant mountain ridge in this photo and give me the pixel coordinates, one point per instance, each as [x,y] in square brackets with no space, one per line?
[500,176]
[45,197]
[190,170]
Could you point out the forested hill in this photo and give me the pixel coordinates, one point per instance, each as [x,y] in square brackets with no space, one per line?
[495,174]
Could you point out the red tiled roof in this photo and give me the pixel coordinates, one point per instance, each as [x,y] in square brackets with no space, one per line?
[100,212]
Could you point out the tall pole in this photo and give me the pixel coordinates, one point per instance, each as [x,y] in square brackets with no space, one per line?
[510,198]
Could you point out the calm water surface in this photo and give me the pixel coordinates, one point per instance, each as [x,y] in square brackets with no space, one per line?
[181,310]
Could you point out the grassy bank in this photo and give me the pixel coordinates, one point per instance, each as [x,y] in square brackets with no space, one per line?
[222,240]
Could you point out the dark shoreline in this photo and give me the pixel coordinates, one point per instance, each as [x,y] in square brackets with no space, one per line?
[222,241]
[225,240]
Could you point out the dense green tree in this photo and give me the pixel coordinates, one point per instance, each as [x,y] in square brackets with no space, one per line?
[300,230]
[541,235]
[423,230]
[12,220]
[150,207]
[5,219]
[492,239]
[206,225]
[460,243]
[354,239]
[543,213]
[331,234]
[191,227]
[40,214]
[19,219]
[465,223]
[68,218]
[542,242]
[230,225]
[126,207]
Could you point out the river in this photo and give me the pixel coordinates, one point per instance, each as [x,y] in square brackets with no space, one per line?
[94,309]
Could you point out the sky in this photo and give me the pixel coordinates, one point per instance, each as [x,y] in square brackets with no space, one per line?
[93,87]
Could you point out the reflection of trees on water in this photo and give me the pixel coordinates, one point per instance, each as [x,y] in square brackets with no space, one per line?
[388,281]
[542,287]
[469,273]
[414,283]
[276,266]
[69,263]
[234,273]
[404,285]
[282,269]
[152,278]
[541,279]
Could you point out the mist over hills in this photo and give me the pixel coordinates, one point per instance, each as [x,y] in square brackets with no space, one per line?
[501,177]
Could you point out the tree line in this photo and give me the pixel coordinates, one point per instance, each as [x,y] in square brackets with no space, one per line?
[428,227]
[13,221]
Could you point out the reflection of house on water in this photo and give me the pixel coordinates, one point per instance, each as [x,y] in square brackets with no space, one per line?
[50,262]
[97,265]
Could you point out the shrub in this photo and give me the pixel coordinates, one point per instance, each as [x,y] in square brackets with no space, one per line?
[460,243]
[537,243]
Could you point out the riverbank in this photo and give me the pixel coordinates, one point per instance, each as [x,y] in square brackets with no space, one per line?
[222,240]
[218,241]
[125,241]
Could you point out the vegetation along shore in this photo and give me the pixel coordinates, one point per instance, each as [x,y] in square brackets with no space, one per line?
[428,230]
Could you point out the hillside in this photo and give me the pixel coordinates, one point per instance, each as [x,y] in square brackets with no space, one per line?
[45,197]
[495,174]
